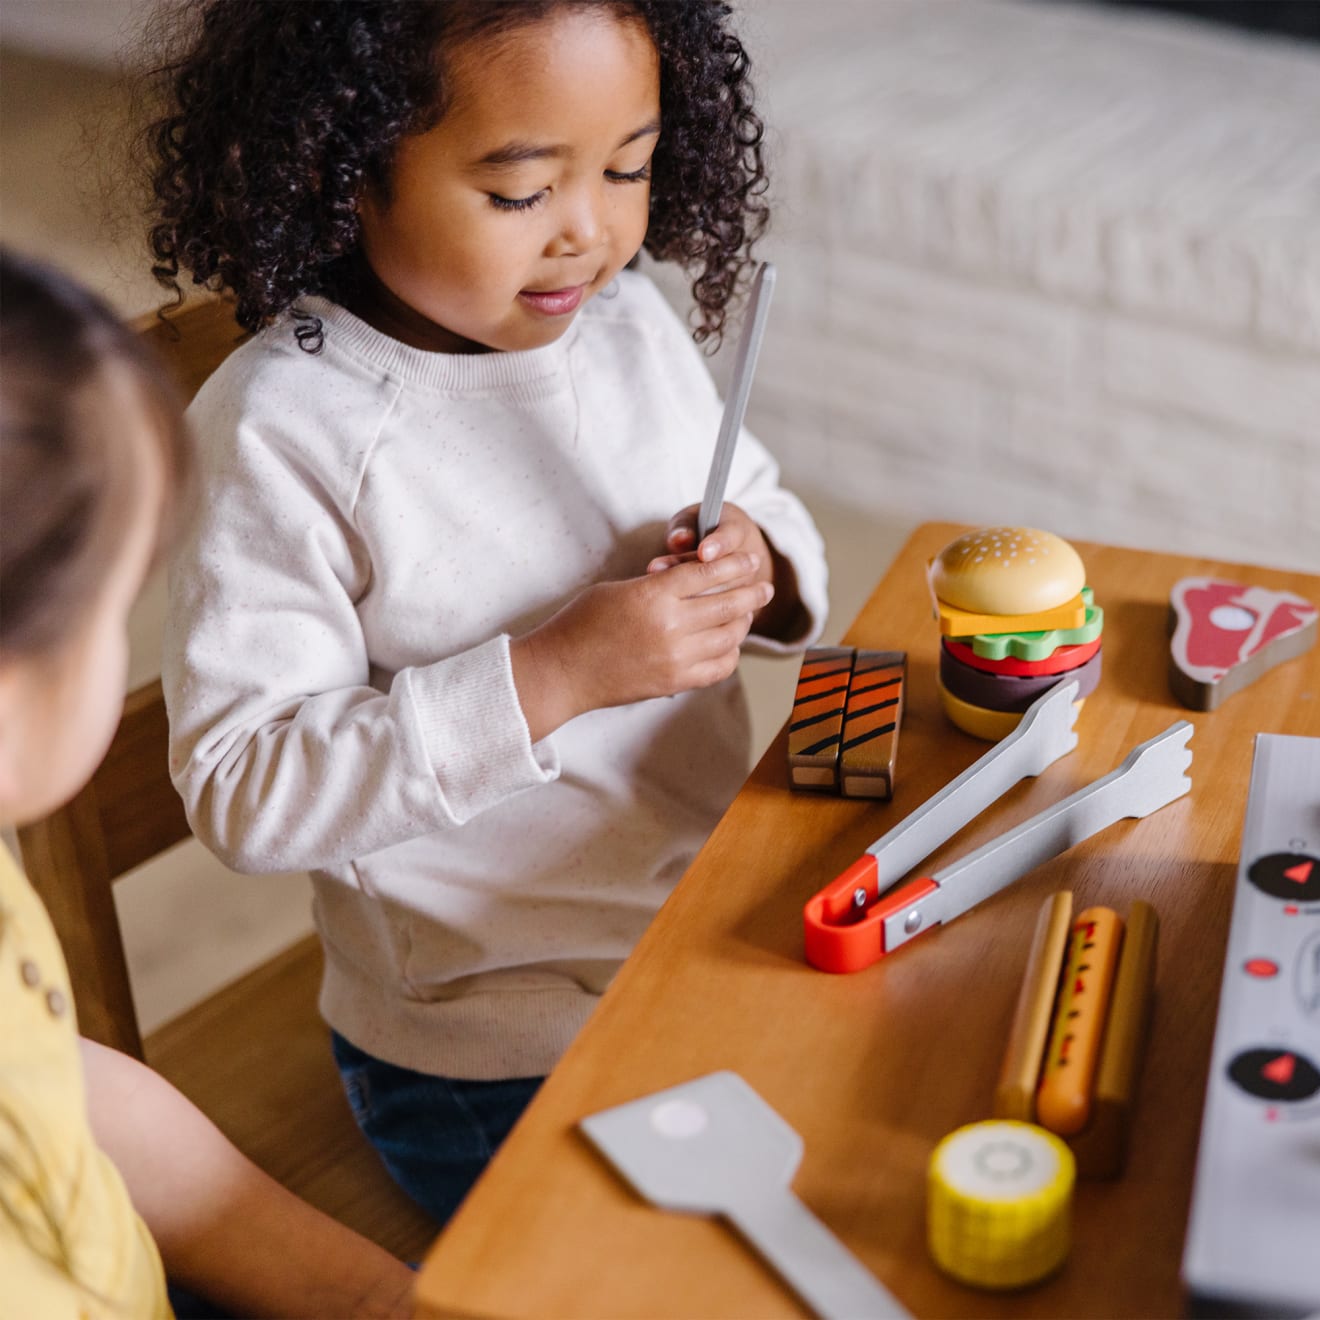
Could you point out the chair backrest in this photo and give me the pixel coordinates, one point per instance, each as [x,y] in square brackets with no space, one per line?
[129,812]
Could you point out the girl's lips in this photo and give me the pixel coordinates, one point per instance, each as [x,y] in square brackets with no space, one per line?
[555,302]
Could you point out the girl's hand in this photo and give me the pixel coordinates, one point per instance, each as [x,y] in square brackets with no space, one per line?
[783,617]
[653,636]
[736,532]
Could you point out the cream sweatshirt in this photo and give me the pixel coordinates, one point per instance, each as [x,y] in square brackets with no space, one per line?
[377,522]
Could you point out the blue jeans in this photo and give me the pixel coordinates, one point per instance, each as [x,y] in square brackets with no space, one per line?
[435,1134]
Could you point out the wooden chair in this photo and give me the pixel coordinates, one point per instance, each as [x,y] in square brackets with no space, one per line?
[255,1056]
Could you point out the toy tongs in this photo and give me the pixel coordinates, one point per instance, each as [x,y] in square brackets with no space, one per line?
[859,917]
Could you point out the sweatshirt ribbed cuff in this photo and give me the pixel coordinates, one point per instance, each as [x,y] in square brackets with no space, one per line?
[474,731]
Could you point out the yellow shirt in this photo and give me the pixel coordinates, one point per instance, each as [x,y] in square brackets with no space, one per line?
[71,1243]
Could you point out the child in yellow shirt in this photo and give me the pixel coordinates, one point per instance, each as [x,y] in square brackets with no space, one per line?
[105,1169]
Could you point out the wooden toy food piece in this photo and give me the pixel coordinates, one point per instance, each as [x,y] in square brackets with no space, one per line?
[1226,635]
[871,721]
[1100,1146]
[1007,571]
[1009,691]
[1040,644]
[843,734]
[815,730]
[1059,660]
[1007,579]
[1015,616]
[990,725]
[1015,1096]
[999,1204]
[1063,1103]
[962,623]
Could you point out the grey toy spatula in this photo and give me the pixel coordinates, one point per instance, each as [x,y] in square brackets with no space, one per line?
[712,1146]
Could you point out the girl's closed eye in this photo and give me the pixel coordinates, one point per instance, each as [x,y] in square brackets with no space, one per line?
[631,176]
[503,203]
[517,203]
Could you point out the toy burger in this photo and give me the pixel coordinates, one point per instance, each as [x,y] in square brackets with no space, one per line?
[1016,617]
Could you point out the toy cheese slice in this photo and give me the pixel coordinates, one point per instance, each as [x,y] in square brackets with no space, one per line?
[964,623]
[1029,646]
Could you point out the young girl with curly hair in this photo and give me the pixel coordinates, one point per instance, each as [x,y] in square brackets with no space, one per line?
[105,1169]
[442,633]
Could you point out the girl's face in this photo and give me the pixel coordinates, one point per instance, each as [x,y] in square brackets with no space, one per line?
[530,194]
[58,711]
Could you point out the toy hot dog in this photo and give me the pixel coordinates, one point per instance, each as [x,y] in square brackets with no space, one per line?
[1063,1103]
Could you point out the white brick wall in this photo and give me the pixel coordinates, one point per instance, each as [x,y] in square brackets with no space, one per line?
[1228,383]
[1047,263]
[922,393]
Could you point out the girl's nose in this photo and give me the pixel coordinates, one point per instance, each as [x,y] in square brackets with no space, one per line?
[581,224]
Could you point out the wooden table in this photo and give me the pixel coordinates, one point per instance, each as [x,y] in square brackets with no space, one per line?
[874,1068]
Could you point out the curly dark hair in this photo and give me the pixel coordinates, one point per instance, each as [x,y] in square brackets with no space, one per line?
[282,111]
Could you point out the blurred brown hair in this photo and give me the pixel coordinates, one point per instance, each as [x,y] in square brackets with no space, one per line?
[70,454]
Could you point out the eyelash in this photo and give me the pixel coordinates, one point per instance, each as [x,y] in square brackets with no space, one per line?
[515,203]
[526,203]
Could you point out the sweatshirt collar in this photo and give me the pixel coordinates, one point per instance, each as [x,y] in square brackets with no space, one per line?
[442,371]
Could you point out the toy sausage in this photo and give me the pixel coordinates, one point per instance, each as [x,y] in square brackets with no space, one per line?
[1063,1103]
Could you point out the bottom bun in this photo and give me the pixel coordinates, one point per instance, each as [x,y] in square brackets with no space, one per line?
[990,725]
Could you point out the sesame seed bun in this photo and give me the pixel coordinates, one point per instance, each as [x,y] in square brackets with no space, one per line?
[1007,570]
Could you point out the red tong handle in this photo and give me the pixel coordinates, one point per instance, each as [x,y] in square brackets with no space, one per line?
[840,940]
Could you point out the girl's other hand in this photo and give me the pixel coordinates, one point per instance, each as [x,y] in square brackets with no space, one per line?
[783,617]
[652,636]
[736,532]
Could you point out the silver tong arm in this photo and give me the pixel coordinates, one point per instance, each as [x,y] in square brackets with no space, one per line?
[1044,734]
[1151,776]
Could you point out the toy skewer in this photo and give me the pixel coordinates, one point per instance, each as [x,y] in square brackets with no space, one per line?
[735,403]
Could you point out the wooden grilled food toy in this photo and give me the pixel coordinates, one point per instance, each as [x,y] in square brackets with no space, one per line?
[1079,1031]
[843,733]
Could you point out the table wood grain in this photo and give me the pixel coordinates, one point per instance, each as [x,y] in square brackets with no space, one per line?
[874,1068]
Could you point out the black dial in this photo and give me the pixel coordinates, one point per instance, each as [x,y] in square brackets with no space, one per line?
[1275,1074]
[1294,877]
